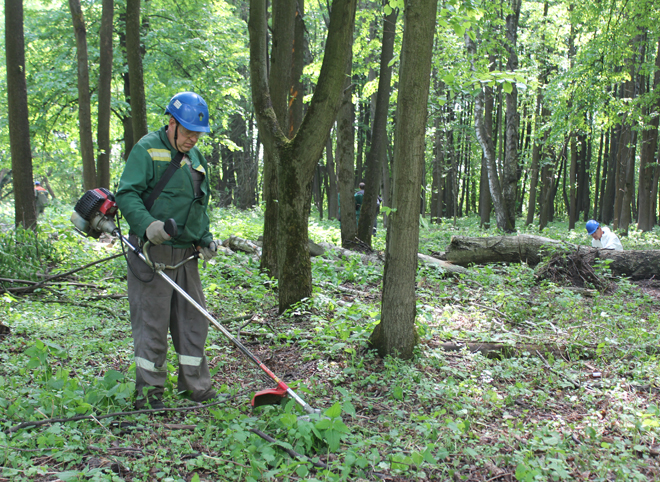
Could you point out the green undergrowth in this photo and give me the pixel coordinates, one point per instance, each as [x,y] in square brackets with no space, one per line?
[577,401]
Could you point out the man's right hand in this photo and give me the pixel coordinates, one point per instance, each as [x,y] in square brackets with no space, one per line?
[156,233]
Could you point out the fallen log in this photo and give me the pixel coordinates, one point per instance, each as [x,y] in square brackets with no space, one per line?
[530,249]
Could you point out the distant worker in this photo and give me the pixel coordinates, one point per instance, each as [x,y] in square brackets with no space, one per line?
[41,196]
[359,196]
[603,237]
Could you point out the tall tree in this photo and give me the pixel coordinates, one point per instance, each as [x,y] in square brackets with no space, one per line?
[279,82]
[295,159]
[395,334]
[332,180]
[346,162]
[135,73]
[84,98]
[486,142]
[647,171]
[25,213]
[510,168]
[105,95]
[376,154]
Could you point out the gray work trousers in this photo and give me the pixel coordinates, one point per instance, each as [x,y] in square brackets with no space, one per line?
[155,307]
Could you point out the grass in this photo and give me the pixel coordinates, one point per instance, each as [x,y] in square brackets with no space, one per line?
[591,415]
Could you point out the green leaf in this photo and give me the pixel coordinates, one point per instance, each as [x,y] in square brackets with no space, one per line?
[323,424]
[340,426]
[507,87]
[195,478]
[333,438]
[388,11]
[397,392]
[334,411]
[348,408]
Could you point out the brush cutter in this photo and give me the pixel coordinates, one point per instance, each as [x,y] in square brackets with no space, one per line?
[93,215]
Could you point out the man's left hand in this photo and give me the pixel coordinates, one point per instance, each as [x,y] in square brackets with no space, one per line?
[209,252]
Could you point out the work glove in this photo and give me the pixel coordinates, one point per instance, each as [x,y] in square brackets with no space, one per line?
[208,252]
[156,233]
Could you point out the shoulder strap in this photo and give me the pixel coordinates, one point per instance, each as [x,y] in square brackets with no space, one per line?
[175,163]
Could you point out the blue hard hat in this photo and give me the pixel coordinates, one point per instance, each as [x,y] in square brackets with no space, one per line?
[592,226]
[190,110]
[37,183]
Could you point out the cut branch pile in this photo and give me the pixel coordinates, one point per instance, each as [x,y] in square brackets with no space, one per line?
[574,269]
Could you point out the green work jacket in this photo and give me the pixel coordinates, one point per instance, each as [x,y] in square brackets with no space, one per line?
[145,165]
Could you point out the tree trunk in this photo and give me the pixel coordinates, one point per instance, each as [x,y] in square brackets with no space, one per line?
[25,213]
[345,158]
[598,178]
[376,154]
[510,168]
[395,334]
[105,96]
[536,155]
[612,168]
[126,119]
[486,143]
[134,57]
[332,181]
[297,158]
[572,181]
[436,183]
[281,60]
[84,102]
[646,217]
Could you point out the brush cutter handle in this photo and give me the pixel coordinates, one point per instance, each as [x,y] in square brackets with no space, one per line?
[171,228]
[283,386]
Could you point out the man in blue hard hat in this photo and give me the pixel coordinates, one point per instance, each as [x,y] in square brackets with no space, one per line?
[165,177]
[602,236]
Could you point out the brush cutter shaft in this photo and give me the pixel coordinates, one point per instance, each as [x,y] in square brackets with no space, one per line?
[221,328]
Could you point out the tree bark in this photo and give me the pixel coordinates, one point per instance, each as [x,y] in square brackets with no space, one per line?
[25,213]
[376,154]
[332,180]
[487,146]
[125,116]
[105,95]
[297,158]
[395,334]
[639,42]
[646,216]
[279,82]
[536,155]
[345,163]
[84,102]
[135,73]
[245,164]
[510,168]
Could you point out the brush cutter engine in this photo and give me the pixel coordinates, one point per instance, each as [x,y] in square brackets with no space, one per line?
[94,213]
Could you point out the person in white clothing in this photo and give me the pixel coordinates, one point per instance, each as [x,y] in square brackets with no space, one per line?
[603,237]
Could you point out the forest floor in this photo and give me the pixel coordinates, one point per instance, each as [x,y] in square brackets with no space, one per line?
[583,406]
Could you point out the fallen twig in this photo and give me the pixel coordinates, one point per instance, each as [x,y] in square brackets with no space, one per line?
[289,451]
[39,284]
[38,423]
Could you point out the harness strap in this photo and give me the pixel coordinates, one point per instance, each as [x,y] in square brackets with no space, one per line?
[175,163]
